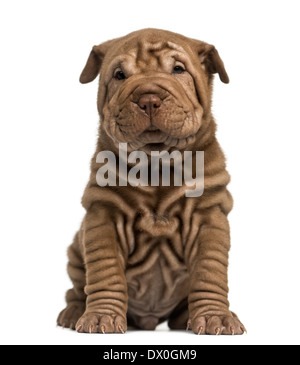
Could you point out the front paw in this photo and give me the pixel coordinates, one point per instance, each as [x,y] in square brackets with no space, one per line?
[217,325]
[101,323]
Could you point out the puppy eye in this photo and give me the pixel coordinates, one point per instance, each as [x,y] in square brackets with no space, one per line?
[119,75]
[178,70]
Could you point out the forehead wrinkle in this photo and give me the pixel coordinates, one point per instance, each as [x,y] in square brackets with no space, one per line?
[146,59]
[129,64]
[145,54]
[177,47]
[149,53]
[152,47]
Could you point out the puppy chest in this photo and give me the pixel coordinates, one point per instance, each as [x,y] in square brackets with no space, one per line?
[156,274]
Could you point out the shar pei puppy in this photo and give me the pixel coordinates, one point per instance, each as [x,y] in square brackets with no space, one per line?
[147,254]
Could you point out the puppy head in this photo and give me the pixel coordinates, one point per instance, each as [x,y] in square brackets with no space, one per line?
[155,88]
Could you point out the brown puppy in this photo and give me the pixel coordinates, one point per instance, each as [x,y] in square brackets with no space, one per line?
[148,254]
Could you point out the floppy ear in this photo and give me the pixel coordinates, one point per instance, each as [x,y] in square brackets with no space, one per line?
[93,63]
[212,62]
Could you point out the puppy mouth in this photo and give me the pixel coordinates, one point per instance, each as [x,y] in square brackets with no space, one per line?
[153,136]
[154,139]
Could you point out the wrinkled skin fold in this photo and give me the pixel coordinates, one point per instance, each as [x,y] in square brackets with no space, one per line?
[144,255]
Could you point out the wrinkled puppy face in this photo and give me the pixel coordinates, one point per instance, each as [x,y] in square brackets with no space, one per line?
[153,90]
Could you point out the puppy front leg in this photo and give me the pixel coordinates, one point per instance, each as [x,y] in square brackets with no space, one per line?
[207,261]
[106,287]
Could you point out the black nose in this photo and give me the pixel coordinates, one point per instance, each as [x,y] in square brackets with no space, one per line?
[149,103]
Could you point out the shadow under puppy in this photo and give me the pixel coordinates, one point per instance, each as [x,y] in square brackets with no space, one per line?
[146,254]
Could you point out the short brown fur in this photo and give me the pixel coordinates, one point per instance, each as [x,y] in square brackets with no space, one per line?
[144,255]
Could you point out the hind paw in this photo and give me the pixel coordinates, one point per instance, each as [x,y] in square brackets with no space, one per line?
[69,316]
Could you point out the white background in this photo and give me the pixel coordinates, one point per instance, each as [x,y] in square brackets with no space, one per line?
[48,133]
